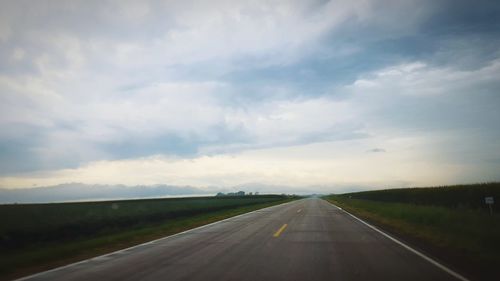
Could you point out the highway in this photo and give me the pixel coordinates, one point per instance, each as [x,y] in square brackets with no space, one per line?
[308,239]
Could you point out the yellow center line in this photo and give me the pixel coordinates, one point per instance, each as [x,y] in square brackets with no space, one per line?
[277,234]
[299,210]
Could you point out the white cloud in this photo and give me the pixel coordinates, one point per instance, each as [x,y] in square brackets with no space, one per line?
[84,78]
[290,121]
[140,34]
[185,108]
[18,54]
[321,166]
[275,149]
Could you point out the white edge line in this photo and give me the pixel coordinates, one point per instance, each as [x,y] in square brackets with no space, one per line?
[416,252]
[143,244]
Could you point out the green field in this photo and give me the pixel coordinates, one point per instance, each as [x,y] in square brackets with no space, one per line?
[452,222]
[39,236]
[456,196]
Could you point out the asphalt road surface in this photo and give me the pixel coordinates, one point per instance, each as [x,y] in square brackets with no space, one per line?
[308,239]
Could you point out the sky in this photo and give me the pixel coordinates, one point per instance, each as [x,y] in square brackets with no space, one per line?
[321,96]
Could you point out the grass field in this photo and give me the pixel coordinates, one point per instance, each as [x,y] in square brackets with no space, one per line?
[39,236]
[450,221]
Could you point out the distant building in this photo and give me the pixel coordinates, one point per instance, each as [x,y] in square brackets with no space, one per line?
[239,193]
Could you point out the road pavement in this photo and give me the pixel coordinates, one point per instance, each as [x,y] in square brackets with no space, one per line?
[308,239]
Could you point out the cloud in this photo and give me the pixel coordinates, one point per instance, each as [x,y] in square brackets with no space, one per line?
[416,96]
[376,150]
[417,78]
[84,83]
[320,167]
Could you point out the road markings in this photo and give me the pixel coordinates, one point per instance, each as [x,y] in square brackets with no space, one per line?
[277,234]
[416,252]
[299,210]
[39,274]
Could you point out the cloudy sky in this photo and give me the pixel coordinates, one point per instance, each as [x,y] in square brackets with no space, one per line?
[316,95]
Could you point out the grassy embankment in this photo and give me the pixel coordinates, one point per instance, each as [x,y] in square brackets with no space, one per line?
[35,237]
[452,223]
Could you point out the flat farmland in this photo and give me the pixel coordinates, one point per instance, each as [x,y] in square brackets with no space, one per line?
[48,235]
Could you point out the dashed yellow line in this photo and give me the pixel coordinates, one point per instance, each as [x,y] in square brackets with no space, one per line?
[277,234]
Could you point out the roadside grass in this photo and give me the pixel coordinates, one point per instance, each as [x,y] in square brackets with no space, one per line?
[37,255]
[469,237]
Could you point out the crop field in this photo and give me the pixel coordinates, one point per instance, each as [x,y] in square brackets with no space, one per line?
[456,196]
[453,223]
[34,234]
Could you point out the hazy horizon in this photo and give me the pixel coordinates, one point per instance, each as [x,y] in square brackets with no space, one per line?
[312,96]
[78,192]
